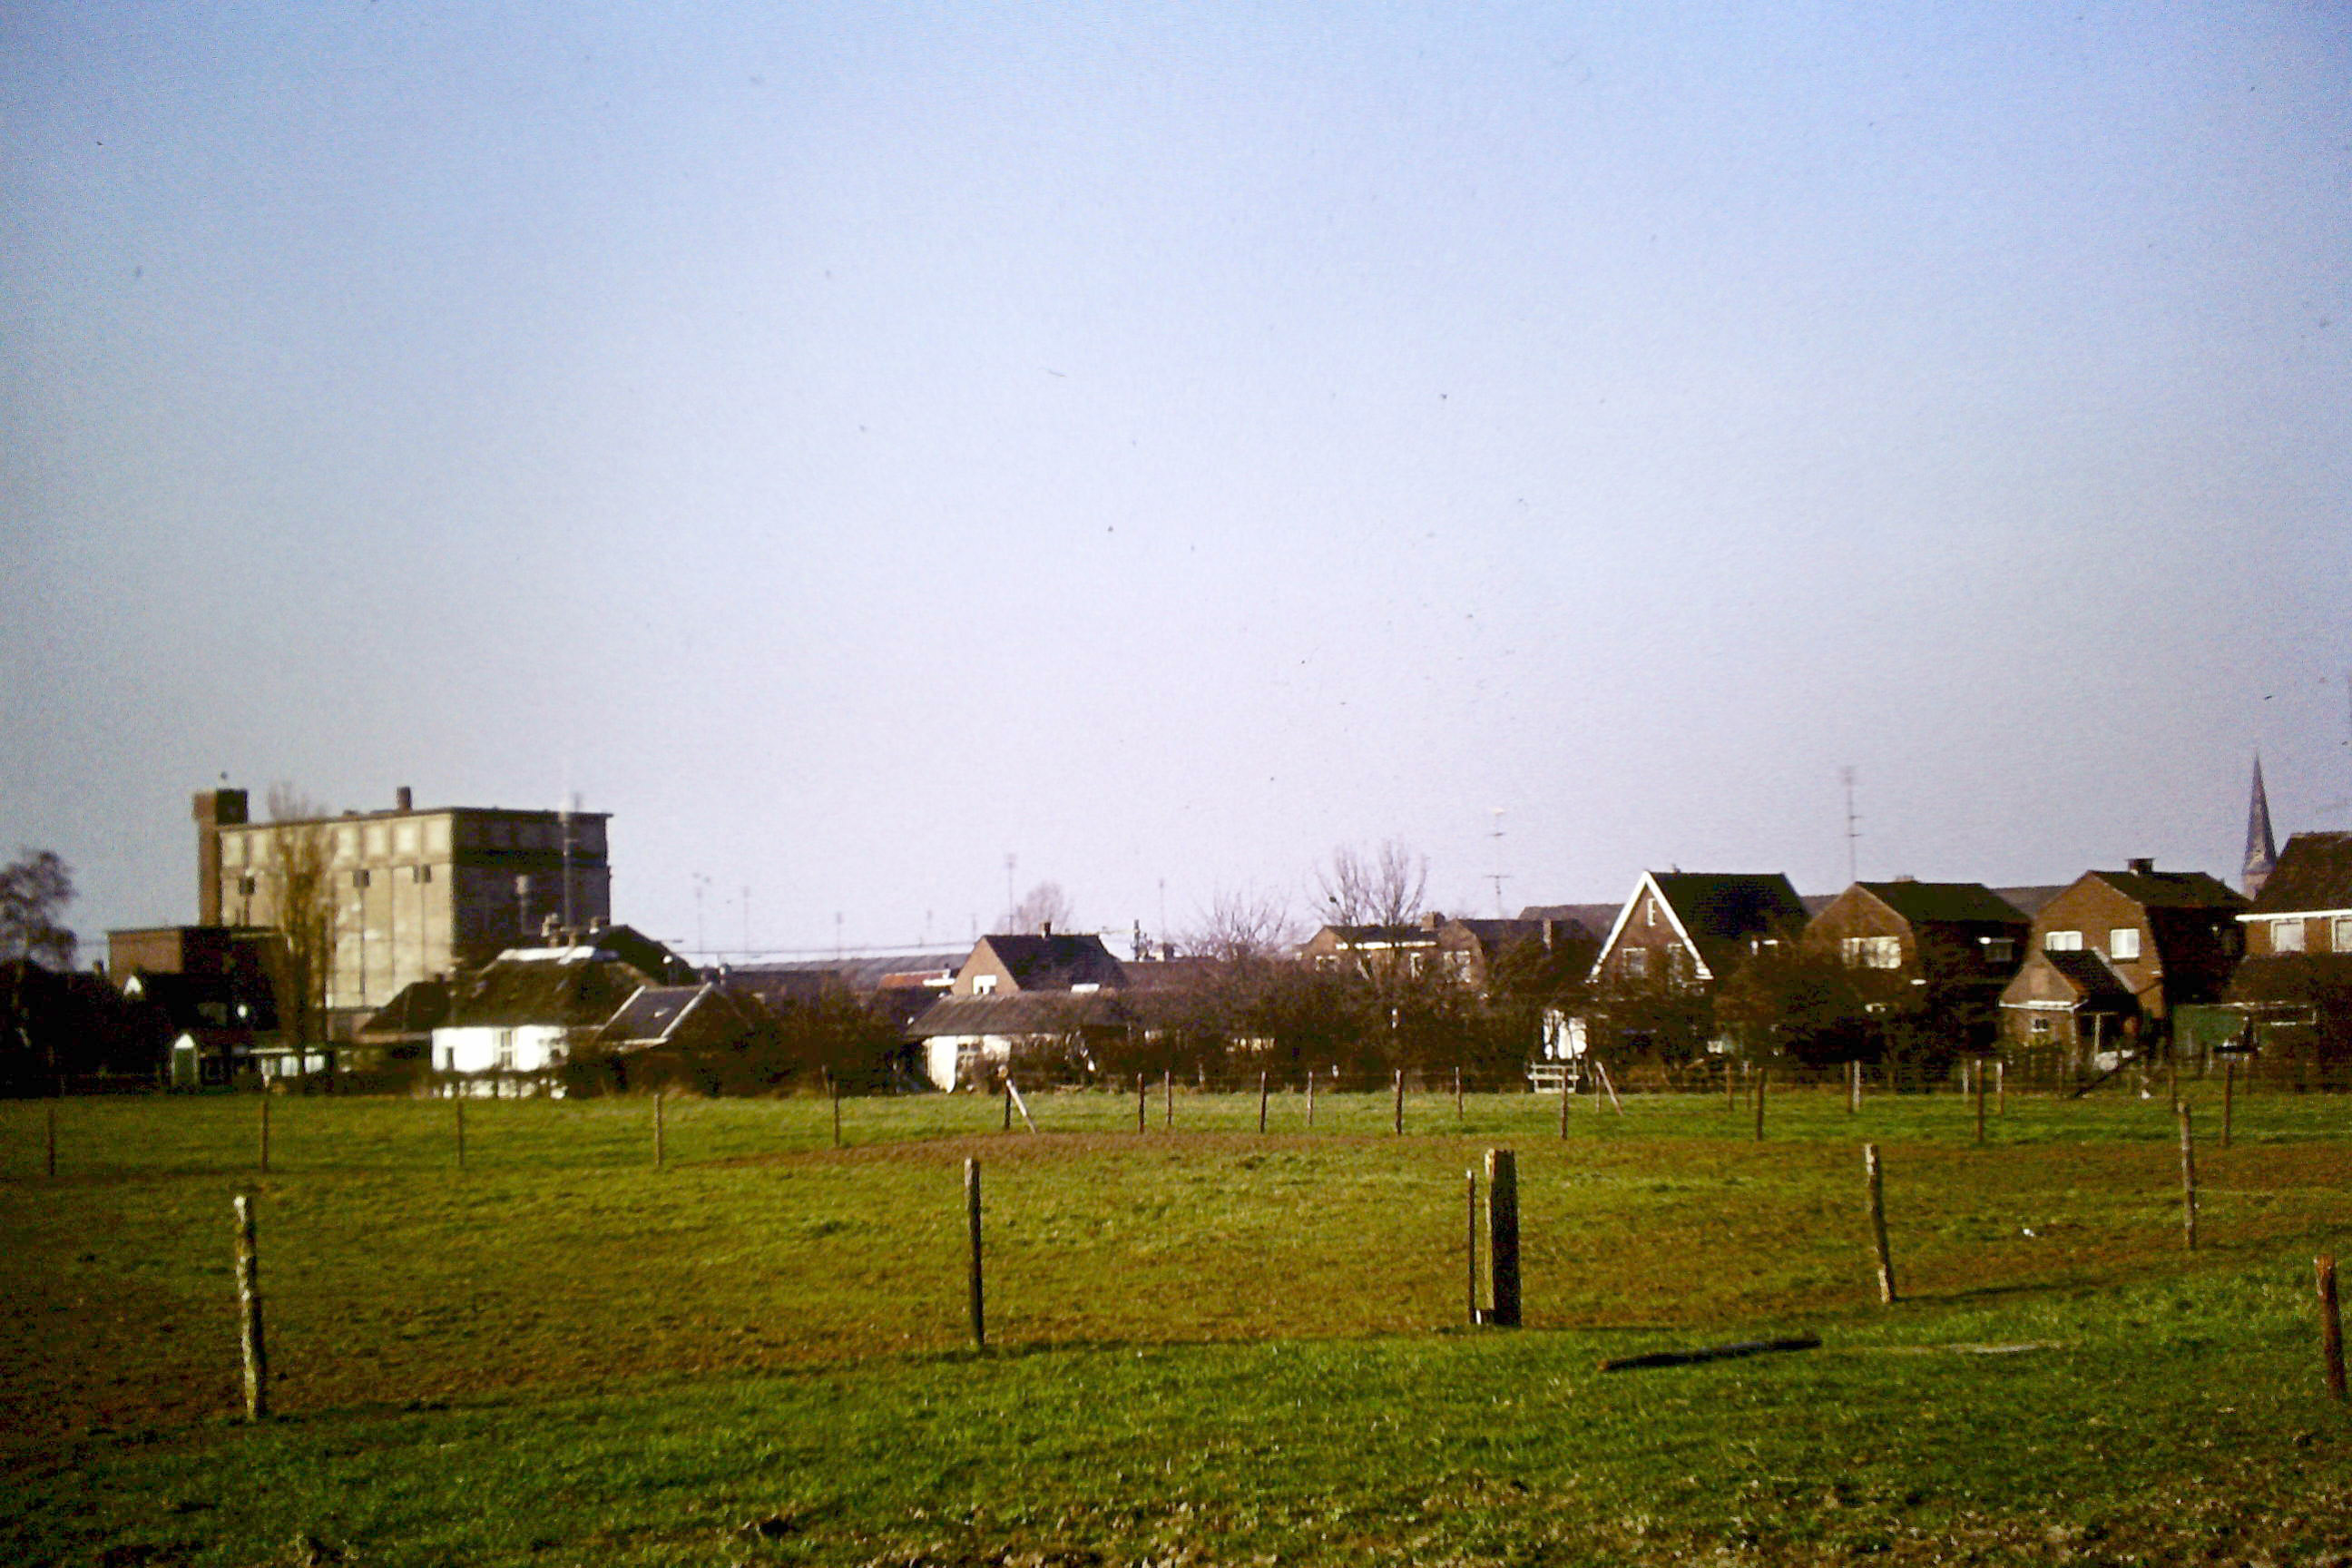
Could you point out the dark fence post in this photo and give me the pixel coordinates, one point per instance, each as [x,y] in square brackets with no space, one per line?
[1563,1102]
[1168,1098]
[2331,1327]
[1502,1238]
[1310,1100]
[1400,1101]
[1261,1102]
[1142,1100]
[833,1087]
[1471,1247]
[971,1226]
[1762,1077]
[248,1313]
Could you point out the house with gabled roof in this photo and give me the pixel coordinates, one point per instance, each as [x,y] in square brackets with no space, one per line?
[514,1023]
[1958,940]
[678,1034]
[2295,988]
[1691,929]
[1017,992]
[2167,939]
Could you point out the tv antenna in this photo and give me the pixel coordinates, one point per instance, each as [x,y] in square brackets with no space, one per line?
[1853,832]
[1497,834]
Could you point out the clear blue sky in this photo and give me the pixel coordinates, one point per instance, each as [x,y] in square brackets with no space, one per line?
[852,443]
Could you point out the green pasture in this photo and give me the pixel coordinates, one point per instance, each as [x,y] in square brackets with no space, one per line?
[1208,1345]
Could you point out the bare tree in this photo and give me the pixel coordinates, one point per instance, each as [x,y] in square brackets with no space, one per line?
[1041,907]
[1382,887]
[35,889]
[1242,926]
[305,910]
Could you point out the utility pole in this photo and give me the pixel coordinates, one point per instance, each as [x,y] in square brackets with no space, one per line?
[1498,837]
[1853,833]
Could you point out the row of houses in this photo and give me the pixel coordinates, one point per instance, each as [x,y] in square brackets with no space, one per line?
[454,983]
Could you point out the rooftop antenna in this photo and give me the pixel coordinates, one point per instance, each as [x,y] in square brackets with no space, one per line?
[1498,837]
[1853,833]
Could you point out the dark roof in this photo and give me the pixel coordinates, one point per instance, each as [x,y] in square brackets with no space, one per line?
[2029,900]
[1022,1013]
[1055,962]
[651,1018]
[1946,903]
[800,976]
[572,992]
[2172,890]
[419,1008]
[2315,872]
[1596,919]
[2088,974]
[1409,935]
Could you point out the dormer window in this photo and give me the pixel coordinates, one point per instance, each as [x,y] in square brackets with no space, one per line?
[2062,941]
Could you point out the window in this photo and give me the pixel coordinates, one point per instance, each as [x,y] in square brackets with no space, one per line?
[1999,949]
[1326,964]
[1650,912]
[2041,1025]
[420,874]
[506,1050]
[983,985]
[2123,942]
[2286,936]
[2343,943]
[1636,961]
[2062,941]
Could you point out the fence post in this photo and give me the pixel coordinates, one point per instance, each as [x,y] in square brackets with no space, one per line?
[1142,1100]
[249,1314]
[971,1226]
[2000,1089]
[1980,1098]
[1471,1248]
[1563,1102]
[1261,1102]
[1457,1094]
[1879,1254]
[1502,1238]
[1008,1102]
[2229,1093]
[1168,1098]
[1310,1100]
[1853,1087]
[2331,1327]
[2187,1183]
[1400,1102]
[1763,1076]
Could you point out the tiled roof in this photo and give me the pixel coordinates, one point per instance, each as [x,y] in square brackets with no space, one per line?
[2172,890]
[2088,974]
[2315,872]
[418,1008]
[1946,903]
[1055,962]
[510,992]
[1022,1013]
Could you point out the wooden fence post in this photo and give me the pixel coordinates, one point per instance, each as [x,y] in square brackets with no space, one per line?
[1013,1098]
[657,1130]
[1143,1102]
[1980,1098]
[1853,1087]
[248,1315]
[2000,1089]
[2187,1183]
[971,1227]
[1878,1251]
[265,1128]
[1457,1094]
[1563,1102]
[1763,1076]
[1471,1247]
[1008,1102]
[2331,1327]
[1168,1098]
[1608,1087]
[1261,1102]
[1502,1238]
[1400,1102]
[1310,1100]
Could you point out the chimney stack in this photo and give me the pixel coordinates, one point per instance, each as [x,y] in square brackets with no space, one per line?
[404,799]
[2144,865]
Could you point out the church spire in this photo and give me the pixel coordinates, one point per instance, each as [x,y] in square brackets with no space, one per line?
[2262,850]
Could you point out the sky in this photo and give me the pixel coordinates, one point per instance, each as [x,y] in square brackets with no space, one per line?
[854,445]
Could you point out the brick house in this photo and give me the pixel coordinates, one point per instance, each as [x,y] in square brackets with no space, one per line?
[1956,944]
[2163,939]
[1015,993]
[1692,929]
[2294,987]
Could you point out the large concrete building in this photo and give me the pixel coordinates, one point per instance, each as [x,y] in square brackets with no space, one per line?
[415,892]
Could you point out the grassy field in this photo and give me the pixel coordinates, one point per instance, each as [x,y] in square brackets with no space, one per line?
[1209,1345]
